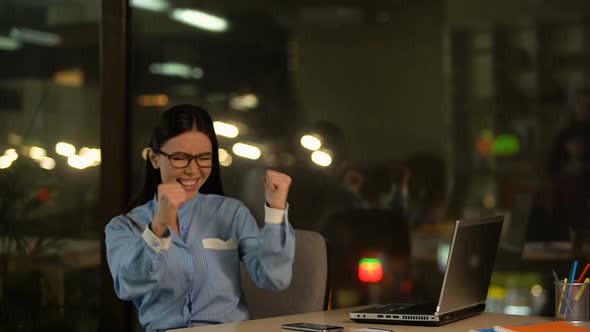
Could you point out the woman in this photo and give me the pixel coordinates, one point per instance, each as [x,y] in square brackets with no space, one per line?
[176,254]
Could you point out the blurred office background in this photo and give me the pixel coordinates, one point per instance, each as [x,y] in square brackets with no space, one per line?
[393,117]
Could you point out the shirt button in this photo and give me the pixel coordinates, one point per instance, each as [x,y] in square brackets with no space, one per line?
[155,244]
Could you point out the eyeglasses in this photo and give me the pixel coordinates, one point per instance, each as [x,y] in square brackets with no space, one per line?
[182,160]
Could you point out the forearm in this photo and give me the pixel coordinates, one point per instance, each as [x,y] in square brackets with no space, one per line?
[135,262]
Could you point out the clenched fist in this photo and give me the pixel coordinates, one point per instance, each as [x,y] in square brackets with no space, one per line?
[170,197]
[276,189]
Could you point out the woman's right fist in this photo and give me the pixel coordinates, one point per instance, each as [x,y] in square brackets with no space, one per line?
[170,197]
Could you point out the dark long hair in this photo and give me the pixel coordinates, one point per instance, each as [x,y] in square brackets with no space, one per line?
[173,122]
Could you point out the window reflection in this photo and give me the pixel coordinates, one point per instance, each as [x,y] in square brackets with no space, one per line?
[49,113]
[410,114]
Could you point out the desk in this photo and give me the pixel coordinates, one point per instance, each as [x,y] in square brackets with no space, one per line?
[340,317]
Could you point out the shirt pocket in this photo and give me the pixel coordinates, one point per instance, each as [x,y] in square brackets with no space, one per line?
[223,263]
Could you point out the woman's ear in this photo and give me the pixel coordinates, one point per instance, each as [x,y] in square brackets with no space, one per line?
[152,155]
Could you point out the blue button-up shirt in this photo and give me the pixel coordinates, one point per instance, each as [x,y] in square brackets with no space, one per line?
[194,278]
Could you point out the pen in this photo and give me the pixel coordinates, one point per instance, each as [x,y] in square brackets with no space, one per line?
[562,297]
[555,277]
[581,277]
[581,290]
[572,277]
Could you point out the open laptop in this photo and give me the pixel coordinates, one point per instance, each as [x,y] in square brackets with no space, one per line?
[465,284]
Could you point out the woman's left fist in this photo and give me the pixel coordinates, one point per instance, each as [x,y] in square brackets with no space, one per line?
[276,189]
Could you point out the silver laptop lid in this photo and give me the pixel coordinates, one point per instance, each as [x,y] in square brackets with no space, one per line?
[470,264]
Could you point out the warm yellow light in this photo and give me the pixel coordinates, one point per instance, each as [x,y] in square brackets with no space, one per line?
[244,102]
[65,149]
[536,290]
[78,162]
[47,163]
[152,100]
[92,156]
[5,162]
[311,142]
[321,158]
[37,153]
[70,77]
[225,159]
[225,129]
[246,151]
[11,153]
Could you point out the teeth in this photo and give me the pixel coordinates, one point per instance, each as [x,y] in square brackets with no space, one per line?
[188,182]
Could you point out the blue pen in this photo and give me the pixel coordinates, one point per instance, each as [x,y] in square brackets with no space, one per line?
[573,274]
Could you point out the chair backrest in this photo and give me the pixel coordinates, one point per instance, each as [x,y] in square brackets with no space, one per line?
[308,290]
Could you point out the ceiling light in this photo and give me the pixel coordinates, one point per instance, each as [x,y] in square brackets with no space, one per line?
[152,5]
[47,163]
[176,69]
[311,142]
[246,151]
[37,153]
[5,162]
[159,100]
[69,77]
[225,129]
[244,102]
[11,153]
[35,37]
[200,19]
[9,44]
[65,149]
[321,158]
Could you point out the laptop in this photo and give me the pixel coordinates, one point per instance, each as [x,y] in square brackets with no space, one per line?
[465,283]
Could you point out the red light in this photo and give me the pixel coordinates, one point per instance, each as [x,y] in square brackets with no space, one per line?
[370,270]
[43,194]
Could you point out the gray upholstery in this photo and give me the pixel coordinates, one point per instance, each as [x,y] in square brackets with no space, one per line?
[308,289]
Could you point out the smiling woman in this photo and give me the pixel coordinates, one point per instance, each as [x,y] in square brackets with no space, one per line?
[189,238]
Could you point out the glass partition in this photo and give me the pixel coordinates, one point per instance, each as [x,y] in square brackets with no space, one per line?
[49,165]
[394,118]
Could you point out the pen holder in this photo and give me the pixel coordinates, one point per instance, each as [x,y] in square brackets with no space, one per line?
[572,302]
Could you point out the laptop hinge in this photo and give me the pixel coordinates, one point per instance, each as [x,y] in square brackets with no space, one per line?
[438,313]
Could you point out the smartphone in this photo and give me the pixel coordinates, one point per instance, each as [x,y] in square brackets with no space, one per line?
[312,327]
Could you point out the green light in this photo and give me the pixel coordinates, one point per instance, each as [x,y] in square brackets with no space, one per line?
[506,145]
[370,260]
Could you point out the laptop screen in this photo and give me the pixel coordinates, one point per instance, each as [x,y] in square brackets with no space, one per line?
[470,263]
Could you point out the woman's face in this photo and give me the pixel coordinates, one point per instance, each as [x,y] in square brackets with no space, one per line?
[191,177]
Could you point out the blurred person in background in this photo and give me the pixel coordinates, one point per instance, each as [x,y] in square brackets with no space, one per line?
[568,199]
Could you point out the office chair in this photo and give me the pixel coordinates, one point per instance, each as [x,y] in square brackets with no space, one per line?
[358,233]
[308,290]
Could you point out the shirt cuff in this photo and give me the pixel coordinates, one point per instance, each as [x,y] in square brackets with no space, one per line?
[155,242]
[275,216]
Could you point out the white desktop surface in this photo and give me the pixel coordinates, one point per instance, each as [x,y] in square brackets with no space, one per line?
[340,317]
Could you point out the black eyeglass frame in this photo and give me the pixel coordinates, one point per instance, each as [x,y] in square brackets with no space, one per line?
[188,158]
